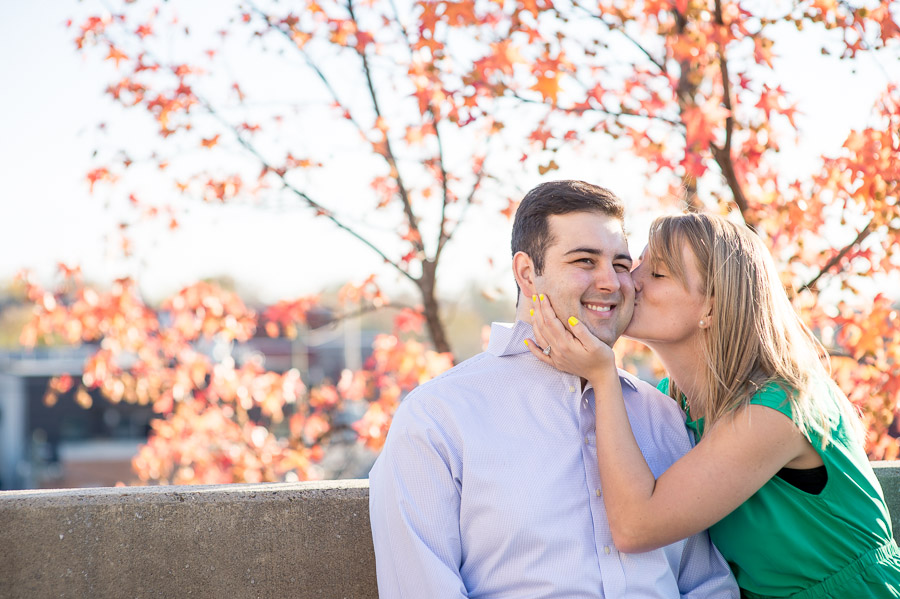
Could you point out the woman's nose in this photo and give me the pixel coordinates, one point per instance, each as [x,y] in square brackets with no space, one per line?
[637,277]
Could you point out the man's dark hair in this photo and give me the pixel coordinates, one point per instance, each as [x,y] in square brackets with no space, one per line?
[531,227]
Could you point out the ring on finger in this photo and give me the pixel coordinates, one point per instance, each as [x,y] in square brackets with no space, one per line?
[547,350]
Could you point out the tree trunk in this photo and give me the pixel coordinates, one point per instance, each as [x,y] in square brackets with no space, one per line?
[431,309]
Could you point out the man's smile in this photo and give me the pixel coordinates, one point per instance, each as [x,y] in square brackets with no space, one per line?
[599,308]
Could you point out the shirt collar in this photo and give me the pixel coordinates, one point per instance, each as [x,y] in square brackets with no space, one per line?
[508,339]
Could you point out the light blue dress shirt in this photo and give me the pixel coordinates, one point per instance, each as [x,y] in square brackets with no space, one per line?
[488,487]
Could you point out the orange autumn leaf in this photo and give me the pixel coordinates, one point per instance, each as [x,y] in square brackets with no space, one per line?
[210,142]
[548,85]
[116,55]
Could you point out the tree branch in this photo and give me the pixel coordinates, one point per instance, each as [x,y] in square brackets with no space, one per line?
[320,209]
[580,111]
[446,237]
[312,65]
[389,154]
[362,311]
[723,155]
[442,236]
[865,232]
[622,32]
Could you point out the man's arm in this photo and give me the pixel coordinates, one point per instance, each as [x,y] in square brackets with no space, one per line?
[414,511]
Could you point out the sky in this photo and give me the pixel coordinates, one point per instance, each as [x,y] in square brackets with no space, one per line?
[51,99]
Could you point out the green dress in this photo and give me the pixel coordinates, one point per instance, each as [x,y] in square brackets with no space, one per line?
[784,542]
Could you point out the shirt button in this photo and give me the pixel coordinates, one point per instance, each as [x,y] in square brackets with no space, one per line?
[571,389]
[606,550]
[587,440]
[597,492]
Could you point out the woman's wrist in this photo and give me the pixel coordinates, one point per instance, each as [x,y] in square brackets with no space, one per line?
[604,375]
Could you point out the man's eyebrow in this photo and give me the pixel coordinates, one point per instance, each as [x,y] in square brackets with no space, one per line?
[598,252]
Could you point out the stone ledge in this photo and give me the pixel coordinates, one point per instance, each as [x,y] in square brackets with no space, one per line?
[301,540]
[199,493]
[305,540]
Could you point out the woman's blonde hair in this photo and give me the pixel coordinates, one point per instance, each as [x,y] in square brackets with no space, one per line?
[754,336]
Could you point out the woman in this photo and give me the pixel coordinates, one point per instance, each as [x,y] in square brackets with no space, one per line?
[778,474]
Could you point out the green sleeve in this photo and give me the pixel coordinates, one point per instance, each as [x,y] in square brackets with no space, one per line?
[773,396]
[663,386]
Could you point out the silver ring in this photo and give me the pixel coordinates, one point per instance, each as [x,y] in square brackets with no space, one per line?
[547,351]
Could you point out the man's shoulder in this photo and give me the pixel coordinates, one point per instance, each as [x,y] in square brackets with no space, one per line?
[647,397]
[469,379]
[657,422]
[467,373]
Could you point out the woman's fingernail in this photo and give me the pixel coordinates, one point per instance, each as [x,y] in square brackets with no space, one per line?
[573,321]
[526,342]
[532,311]
[534,298]
[542,297]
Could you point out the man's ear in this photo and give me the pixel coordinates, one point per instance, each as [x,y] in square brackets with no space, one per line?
[523,270]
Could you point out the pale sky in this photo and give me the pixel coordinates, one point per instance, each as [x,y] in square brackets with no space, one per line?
[52,99]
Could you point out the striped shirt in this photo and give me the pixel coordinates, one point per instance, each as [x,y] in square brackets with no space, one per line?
[488,487]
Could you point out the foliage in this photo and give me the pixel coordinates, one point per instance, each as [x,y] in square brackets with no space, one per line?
[215,416]
[429,100]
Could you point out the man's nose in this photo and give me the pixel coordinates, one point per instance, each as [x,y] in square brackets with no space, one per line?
[607,279]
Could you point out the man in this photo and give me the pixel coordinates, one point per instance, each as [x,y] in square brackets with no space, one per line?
[488,484]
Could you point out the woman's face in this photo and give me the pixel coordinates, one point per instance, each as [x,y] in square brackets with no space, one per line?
[666,312]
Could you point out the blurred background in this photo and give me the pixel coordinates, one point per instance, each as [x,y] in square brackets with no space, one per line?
[236,234]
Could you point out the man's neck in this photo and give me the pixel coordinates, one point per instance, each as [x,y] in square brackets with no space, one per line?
[523,308]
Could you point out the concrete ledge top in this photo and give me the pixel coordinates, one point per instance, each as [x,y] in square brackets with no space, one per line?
[249,492]
[194,493]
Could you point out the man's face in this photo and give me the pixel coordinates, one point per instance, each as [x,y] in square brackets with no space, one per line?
[587,272]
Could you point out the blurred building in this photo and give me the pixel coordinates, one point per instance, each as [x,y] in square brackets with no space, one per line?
[65,445]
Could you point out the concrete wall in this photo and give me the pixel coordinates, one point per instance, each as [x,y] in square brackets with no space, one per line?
[299,540]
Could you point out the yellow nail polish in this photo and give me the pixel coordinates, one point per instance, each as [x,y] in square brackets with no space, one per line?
[573,321]
[534,298]
[542,297]
[526,342]
[532,311]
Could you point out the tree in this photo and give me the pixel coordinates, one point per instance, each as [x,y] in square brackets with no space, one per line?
[428,99]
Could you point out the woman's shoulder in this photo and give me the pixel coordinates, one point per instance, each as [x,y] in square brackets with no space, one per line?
[773,395]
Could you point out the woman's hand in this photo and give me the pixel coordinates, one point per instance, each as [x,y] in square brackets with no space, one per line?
[574,349]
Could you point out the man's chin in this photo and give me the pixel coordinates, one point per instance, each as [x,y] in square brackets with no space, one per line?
[605,335]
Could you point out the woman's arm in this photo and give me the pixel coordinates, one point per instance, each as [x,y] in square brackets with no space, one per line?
[732,461]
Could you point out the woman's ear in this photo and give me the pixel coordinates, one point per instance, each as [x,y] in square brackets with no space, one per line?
[708,315]
[523,270]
